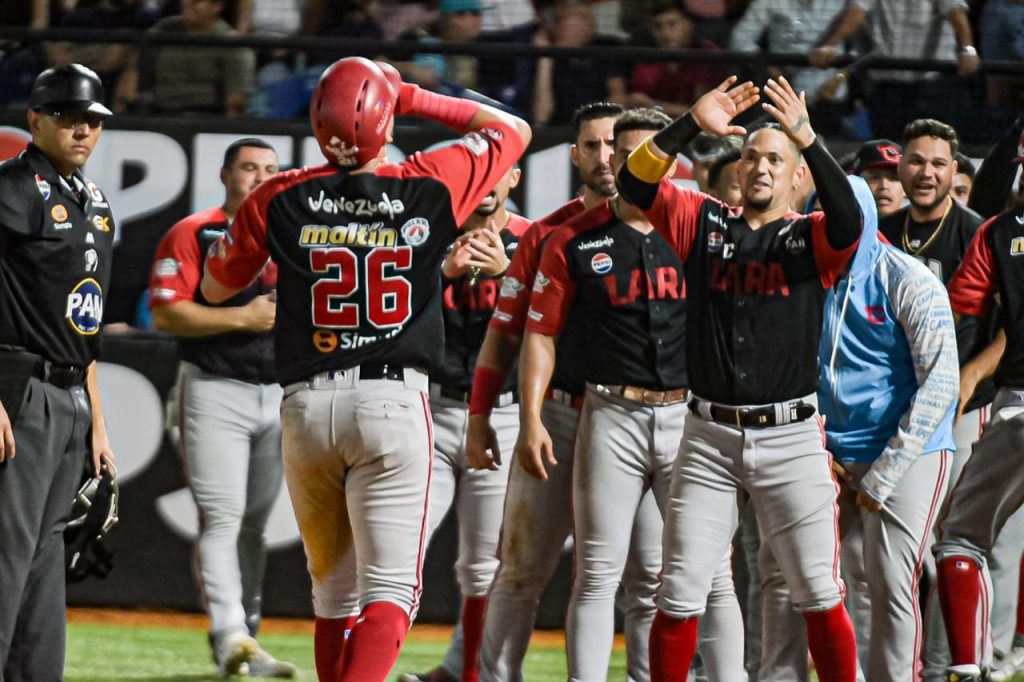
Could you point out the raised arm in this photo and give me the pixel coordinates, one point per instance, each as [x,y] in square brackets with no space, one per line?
[838,202]
[994,182]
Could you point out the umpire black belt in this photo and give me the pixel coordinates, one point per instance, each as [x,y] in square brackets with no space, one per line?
[32,365]
[438,391]
[776,414]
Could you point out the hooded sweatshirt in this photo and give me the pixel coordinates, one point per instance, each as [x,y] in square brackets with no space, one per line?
[890,376]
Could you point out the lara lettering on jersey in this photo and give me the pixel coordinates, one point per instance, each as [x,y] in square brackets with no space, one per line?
[666,285]
[748,278]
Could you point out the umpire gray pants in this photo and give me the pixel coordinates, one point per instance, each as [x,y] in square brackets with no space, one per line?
[36,492]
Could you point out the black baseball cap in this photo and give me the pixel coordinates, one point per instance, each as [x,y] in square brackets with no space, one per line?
[877,154]
[71,87]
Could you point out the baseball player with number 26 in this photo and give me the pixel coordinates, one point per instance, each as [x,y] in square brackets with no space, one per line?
[358,320]
[756,281]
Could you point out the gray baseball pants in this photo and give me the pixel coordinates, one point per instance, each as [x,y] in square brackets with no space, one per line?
[231,443]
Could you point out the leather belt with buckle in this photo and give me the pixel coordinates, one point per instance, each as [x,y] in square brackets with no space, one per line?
[761,416]
[647,396]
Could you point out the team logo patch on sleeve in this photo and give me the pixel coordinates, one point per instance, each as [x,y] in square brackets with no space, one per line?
[601,263]
[43,186]
[510,287]
[474,142]
[540,282]
[84,311]
[415,231]
[166,267]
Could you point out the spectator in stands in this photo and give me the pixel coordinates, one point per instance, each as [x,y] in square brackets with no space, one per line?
[406,17]
[459,23]
[270,17]
[509,81]
[794,26]
[963,179]
[563,84]
[201,79]
[878,162]
[22,61]
[673,85]
[711,20]
[1001,38]
[917,29]
[113,62]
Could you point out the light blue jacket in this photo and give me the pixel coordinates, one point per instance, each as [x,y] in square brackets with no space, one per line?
[890,378]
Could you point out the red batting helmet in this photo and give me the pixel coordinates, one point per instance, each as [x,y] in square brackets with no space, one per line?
[352,106]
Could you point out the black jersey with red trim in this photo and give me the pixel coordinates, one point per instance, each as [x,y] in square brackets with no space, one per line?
[628,291]
[358,254]
[943,254]
[754,297]
[56,241]
[514,298]
[177,271]
[468,307]
[994,263]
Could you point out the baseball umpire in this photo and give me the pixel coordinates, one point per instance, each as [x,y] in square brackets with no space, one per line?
[229,415]
[56,236]
[359,244]
[756,280]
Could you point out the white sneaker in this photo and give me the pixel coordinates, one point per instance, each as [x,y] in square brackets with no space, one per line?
[233,651]
[262,664]
[1013,662]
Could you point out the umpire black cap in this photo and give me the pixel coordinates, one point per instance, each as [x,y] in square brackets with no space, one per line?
[72,87]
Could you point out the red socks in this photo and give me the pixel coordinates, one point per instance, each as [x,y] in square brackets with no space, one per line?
[1020,601]
[673,644]
[473,609]
[328,645]
[833,644]
[959,592]
[373,646]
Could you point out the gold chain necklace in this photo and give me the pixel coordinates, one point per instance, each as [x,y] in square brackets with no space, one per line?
[935,233]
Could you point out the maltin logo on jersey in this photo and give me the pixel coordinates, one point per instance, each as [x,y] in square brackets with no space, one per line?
[415,231]
[601,263]
[85,307]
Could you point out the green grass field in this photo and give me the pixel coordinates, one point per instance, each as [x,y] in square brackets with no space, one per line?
[102,653]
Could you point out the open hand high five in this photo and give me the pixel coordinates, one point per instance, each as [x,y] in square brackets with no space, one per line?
[790,110]
[716,108]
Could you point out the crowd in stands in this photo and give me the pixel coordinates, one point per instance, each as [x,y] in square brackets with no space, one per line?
[849,100]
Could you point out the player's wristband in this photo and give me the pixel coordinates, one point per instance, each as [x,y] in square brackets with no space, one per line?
[647,166]
[487,385]
[450,111]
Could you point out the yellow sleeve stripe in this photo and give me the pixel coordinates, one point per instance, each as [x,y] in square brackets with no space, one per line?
[646,166]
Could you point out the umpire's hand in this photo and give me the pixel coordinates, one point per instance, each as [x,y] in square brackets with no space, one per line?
[534,448]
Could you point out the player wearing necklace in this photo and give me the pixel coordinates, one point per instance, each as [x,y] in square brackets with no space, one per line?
[933,227]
